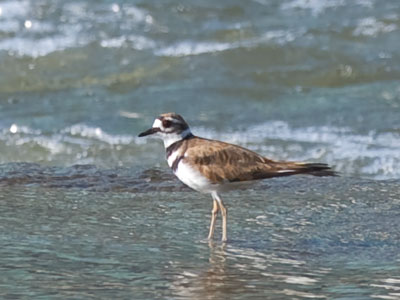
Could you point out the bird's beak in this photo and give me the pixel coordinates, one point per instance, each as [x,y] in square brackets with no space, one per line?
[149,131]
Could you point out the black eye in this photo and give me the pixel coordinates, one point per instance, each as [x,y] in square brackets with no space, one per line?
[166,123]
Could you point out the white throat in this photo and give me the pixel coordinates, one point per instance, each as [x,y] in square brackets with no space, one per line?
[170,138]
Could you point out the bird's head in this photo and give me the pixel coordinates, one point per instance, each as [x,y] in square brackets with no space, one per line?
[171,127]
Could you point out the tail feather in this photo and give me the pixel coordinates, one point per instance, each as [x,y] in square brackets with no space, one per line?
[315,169]
[281,169]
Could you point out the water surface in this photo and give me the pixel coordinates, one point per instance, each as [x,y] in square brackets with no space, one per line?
[289,238]
[293,79]
[88,210]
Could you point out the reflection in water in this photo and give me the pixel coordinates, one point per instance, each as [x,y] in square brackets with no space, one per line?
[238,272]
[87,231]
[211,283]
[391,285]
[233,271]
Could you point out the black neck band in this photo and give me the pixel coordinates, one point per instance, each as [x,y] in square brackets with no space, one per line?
[171,148]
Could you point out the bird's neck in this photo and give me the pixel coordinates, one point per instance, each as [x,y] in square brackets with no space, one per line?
[171,138]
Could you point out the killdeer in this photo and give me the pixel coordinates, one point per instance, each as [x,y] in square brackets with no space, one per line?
[211,166]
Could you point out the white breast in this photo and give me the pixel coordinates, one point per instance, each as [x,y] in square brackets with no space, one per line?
[193,178]
[172,158]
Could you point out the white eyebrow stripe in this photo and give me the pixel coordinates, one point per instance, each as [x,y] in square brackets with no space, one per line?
[176,121]
[157,123]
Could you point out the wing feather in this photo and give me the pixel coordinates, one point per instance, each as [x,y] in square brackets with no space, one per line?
[220,161]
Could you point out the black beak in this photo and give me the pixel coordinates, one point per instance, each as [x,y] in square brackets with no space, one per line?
[149,131]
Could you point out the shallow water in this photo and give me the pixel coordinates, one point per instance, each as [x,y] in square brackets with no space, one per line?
[85,237]
[89,210]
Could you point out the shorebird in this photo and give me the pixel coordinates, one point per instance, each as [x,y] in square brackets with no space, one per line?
[211,166]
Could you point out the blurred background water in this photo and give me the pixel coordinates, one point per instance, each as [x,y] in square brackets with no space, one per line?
[90,210]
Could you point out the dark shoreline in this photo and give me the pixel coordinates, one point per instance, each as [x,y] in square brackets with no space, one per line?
[139,180]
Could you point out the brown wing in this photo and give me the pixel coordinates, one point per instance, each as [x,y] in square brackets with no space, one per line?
[221,161]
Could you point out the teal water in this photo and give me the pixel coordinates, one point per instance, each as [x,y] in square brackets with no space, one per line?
[68,237]
[88,210]
[293,79]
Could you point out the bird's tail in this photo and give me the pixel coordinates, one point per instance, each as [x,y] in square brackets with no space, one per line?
[315,169]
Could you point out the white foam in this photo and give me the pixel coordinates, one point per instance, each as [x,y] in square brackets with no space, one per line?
[372,27]
[35,37]
[302,294]
[374,153]
[97,133]
[316,6]
[113,42]
[300,280]
[193,48]
[14,9]
[392,280]
[138,14]
[186,48]
[37,47]
[135,41]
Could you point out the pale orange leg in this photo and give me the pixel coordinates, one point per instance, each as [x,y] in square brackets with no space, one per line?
[224,217]
[214,214]
[224,214]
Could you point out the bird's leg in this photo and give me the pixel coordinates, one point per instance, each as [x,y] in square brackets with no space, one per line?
[224,214]
[214,214]
[224,217]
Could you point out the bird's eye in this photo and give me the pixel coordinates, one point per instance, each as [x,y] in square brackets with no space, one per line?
[166,123]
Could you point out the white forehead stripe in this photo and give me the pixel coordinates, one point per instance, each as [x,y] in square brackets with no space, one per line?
[157,123]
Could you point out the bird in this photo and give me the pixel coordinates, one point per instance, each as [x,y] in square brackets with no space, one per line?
[212,166]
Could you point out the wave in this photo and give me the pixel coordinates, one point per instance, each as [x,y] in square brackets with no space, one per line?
[186,48]
[30,29]
[374,154]
[318,7]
